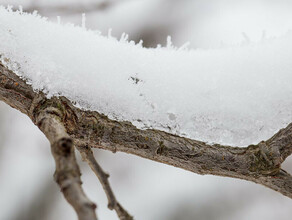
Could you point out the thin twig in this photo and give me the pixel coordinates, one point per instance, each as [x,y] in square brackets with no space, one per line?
[113,204]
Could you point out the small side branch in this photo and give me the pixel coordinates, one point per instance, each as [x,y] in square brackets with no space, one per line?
[67,173]
[113,204]
[281,143]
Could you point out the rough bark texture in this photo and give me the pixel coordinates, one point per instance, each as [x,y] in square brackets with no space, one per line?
[259,163]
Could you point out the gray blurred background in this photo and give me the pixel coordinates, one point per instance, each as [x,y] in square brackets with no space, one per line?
[148,190]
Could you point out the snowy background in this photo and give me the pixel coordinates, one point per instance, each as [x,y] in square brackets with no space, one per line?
[147,189]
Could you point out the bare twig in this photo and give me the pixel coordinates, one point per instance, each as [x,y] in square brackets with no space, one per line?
[67,173]
[113,204]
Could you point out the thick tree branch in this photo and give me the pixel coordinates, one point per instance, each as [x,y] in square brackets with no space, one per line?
[257,163]
[113,204]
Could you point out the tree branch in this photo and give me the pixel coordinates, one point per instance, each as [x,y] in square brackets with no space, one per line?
[67,173]
[259,163]
[113,204]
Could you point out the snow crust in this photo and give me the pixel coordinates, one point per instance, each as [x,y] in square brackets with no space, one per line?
[238,95]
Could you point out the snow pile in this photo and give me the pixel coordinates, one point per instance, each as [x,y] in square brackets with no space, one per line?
[235,96]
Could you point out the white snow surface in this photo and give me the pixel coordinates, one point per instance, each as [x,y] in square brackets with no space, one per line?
[236,95]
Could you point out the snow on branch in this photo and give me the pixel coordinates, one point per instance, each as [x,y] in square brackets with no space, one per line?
[73,82]
[237,95]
